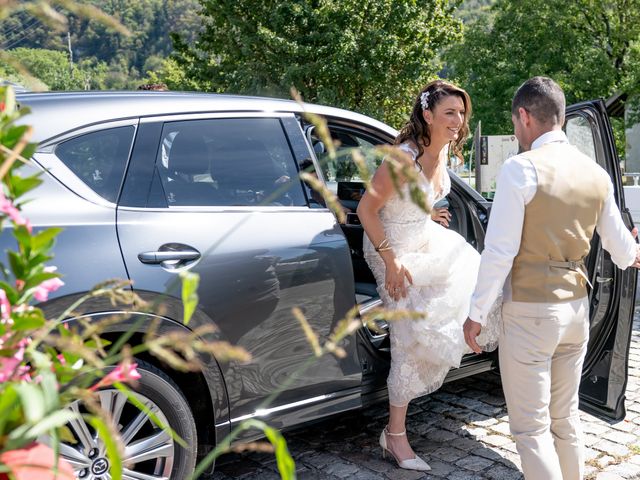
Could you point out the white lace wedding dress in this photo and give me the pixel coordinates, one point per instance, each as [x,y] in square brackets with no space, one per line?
[444,268]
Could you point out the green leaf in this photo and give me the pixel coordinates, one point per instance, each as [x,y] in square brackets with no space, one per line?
[37,279]
[13,135]
[9,405]
[9,99]
[48,380]
[17,264]
[37,260]
[52,421]
[43,240]
[12,293]
[28,320]
[94,345]
[32,401]
[190,283]
[20,186]
[286,464]
[23,236]
[28,151]
[112,447]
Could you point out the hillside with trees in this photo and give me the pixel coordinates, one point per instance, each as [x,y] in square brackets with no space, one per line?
[94,55]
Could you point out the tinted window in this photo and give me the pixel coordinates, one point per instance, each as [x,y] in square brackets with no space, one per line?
[228,162]
[580,134]
[342,174]
[343,168]
[99,159]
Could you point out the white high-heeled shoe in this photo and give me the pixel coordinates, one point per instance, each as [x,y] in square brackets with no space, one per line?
[415,463]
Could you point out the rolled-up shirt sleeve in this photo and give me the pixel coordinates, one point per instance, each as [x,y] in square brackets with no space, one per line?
[516,186]
[615,236]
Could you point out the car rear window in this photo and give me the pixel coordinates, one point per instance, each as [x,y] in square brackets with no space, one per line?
[99,158]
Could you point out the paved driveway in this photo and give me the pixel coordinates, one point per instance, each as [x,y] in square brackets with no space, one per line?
[462,431]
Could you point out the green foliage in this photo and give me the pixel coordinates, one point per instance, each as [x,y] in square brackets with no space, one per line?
[369,55]
[471,11]
[589,47]
[190,283]
[105,57]
[53,69]
[286,465]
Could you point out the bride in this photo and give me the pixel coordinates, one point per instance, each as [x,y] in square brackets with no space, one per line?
[418,263]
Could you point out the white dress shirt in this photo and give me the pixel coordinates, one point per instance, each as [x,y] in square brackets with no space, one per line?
[517,185]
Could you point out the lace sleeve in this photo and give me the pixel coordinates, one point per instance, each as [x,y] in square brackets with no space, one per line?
[406,147]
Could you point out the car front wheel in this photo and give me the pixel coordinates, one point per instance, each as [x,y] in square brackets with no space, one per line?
[149,452]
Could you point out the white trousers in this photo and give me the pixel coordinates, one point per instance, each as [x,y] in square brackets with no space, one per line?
[542,349]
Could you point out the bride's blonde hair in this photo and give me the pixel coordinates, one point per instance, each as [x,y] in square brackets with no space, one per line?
[417,130]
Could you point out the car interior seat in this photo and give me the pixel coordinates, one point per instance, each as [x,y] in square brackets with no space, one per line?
[189,181]
[244,171]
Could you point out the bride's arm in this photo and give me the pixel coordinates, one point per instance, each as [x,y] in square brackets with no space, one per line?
[380,190]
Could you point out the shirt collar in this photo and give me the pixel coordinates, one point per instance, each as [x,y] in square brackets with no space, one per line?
[548,137]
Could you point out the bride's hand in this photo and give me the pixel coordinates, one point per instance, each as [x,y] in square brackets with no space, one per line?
[441,215]
[395,276]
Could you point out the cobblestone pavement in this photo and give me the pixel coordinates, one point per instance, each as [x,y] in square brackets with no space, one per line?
[462,431]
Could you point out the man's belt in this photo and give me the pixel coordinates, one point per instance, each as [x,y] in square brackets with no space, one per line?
[574,265]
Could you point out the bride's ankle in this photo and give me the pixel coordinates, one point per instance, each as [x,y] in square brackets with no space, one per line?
[395,431]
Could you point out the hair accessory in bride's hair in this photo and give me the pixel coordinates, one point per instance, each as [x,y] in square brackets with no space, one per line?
[424,100]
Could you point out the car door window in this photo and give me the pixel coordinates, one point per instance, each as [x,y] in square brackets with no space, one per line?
[580,133]
[341,174]
[99,158]
[343,170]
[228,162]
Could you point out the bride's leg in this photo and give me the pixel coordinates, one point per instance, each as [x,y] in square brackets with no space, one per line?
[398,444]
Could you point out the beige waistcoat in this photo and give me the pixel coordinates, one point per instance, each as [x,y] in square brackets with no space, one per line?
[558,225]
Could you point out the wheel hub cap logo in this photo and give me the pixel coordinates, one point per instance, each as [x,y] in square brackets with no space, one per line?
[100,466]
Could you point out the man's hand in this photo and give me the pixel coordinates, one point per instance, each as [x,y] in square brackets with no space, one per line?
[471,331]
[636,264]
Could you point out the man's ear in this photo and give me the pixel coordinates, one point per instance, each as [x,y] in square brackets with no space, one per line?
[525,116]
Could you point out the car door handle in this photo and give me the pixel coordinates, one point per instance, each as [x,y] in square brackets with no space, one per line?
[600,279]
[168,255]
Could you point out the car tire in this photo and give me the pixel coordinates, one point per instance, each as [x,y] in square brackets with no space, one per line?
[158,387]
[148,450]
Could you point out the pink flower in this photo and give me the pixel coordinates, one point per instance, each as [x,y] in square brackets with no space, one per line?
[5,306]
[10,368]
[7,207]
[124,372]
[45,288]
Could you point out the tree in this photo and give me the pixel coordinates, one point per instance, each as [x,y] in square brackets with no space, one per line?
[590,47]
[368,55]
[148,22]
[53,69]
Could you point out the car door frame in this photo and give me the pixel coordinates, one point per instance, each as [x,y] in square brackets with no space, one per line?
[477,208]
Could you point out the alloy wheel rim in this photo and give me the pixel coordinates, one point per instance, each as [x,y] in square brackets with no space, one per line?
[148,449]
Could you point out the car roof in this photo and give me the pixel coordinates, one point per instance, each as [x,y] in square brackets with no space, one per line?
[55,113]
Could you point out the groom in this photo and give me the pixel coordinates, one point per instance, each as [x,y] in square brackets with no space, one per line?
[548,202]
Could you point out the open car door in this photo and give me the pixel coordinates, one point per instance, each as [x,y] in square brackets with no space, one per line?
[612,298]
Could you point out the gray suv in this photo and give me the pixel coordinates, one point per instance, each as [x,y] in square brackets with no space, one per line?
[149,184]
